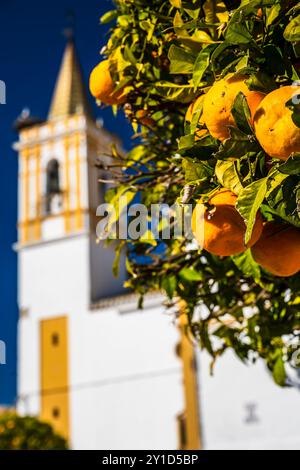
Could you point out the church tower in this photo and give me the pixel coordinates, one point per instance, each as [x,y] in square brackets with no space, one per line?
[61,268]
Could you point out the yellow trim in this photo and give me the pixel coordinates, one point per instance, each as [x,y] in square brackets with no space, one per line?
[190,419]
[67,185]
[38,193]
[25,232]
[55,374]
[71,213]
[78,188]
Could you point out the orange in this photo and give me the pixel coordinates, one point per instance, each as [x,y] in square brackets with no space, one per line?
[220,229]
[273,124]
[278,249]
[102,86]
[218,103]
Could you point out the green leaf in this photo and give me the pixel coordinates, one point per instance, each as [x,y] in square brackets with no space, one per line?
[260,81]
[249,202]
[228,176]
[195,170]
[242,63]
[190,275]
[175,3]
[241,113]
[186,141]
[279,373]
[149,27]
[215,11]
[238,145]
[201,149]
[116,263]
[169,284]
[202,63]
[108,16]
[272,14]
[181,61]
[178,24]
[237,33]
[292,31]
[282,197]
[129,56]
[247,265]
[173,92]
[291,166]
[120,202]
[205,341]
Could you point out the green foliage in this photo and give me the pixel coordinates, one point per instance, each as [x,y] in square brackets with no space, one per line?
[168,52]
[28,433]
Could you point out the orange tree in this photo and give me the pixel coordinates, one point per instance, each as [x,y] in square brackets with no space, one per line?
[210,88]
[28,433]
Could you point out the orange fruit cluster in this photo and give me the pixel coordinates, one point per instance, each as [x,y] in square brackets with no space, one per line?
[271,119]
[217,225]
[220,230]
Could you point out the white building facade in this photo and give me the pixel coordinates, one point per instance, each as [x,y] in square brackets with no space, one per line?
[105,374]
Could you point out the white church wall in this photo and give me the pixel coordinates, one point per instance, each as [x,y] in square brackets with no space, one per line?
[53,228]
[28,373]
[54,277]
[126,380]
[128,415]
[102,281]
[242,408]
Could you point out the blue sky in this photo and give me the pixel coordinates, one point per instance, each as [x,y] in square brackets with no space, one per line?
[30,53]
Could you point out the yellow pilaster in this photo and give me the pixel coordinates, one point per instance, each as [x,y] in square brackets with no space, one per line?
[25,231]
[67,185]
[78,219]
[189,421]
[55,374]
[38,193]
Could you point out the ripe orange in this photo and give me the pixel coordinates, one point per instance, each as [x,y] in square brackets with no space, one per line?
[273,124]
[102,86]
[218,103]
[221,230]
[278,249]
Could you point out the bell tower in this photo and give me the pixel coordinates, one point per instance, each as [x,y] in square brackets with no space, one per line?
[59,189]
[54,159]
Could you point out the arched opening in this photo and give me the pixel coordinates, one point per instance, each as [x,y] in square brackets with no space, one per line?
[53,183]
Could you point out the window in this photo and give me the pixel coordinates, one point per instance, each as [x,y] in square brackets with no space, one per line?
[53,184]
[55,413]
[55,339]
[53,177]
